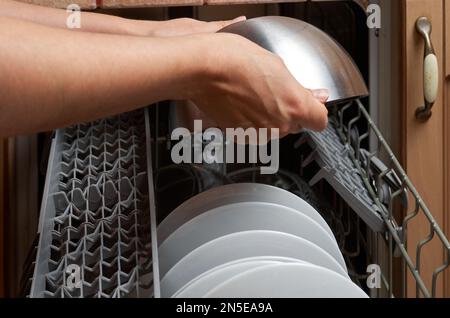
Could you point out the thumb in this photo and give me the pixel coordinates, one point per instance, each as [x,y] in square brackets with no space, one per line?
[321,95]
[316,114]
[238,19]
[223,24]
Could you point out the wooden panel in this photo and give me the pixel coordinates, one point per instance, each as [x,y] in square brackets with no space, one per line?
[10,288]
[93,4]
[447,37]
[2,215]
[147,3]
[447,174]
[423,142]
[447,132]
[225,2]
[84,4]
[22,217]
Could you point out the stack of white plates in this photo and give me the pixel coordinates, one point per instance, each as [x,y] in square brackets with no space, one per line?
[250,240]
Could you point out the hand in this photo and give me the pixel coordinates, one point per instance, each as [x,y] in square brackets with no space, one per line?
[247,86]
[182,26]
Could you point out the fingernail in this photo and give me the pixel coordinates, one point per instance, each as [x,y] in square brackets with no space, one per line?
[239,19]
[321,94]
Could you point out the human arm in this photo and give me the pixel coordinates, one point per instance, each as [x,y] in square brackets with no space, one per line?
[52,78]
[103,23]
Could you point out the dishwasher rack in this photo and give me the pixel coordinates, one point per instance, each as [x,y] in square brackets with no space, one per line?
[390,190]
[95,231]
[99,214]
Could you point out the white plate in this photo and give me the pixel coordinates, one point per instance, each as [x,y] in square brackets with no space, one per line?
[203,283]
[242,245]
[241,217]
[287,281]
[235,193]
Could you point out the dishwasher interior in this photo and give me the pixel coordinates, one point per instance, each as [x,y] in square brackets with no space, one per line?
[111,182]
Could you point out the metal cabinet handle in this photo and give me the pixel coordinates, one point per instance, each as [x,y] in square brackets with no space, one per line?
[430,70]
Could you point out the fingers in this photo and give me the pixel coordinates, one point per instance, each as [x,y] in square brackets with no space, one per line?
[236,20]
[222,24]
[187,26]
[239,19]
[314,114]
[321,95]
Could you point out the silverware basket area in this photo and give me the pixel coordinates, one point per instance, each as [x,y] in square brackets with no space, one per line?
[109,183]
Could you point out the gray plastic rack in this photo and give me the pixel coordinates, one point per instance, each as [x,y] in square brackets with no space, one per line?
[95,223]
[337,168]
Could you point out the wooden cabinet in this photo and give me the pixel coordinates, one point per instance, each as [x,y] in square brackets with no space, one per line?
[94,4]
[3,152]
[446,88]
[425,145]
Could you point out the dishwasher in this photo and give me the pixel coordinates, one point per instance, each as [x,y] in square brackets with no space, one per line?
[110,183]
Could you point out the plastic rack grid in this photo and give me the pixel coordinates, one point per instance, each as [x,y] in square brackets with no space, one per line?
[377,188]
[337,168]
[95,223]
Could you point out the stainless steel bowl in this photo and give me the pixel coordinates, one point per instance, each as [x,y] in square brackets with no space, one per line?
[314,58]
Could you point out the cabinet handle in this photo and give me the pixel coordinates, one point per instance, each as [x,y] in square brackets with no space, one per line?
[430,71]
